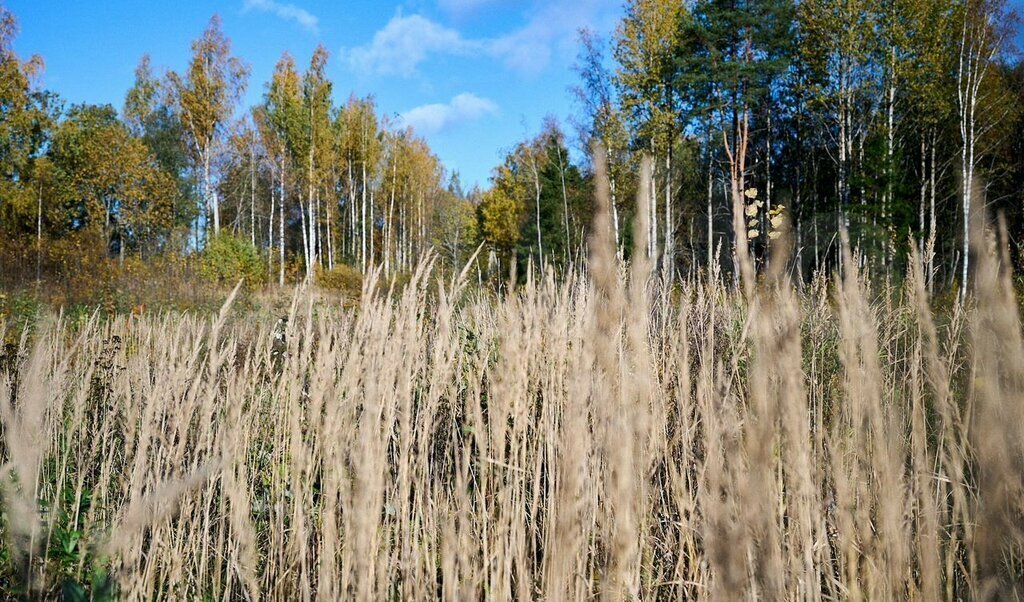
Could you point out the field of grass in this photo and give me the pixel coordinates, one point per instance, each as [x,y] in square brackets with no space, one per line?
[598,435]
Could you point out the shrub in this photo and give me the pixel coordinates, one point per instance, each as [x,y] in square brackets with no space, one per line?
[18,311]
[344,279]
[227,258]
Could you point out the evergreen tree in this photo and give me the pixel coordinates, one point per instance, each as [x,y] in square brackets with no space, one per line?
[732,53]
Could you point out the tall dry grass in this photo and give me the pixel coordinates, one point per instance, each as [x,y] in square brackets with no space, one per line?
[598,436]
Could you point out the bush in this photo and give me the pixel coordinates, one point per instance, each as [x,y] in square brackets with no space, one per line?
[343,278]
[227,258]
[18,311]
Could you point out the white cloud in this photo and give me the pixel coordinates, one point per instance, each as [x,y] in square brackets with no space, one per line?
[433,118]
[406,42]
[289,12]
[552,31]
[526,50]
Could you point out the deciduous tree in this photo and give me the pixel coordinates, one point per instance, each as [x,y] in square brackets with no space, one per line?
[205,97]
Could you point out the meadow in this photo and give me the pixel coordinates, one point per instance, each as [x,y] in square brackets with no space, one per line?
[597,434]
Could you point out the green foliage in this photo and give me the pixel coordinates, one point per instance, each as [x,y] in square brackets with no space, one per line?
[72,568]
[107,180]
[26,116]
[564,203]
[207,92]
[205,97]
[226,259]
[502,208]
[284,106]
[852,124]
[645,41]
[730,52]
[455,229]
[147,115]
[18,312]
[344,279]
[538,207]
[603,119]
[89,185]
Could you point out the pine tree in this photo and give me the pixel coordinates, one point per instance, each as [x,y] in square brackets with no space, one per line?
[732,52]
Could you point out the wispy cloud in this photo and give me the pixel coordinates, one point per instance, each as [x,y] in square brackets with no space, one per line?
[434,118]
[463,6]
[551,32]
[403,44]
[289,12]
[407,41]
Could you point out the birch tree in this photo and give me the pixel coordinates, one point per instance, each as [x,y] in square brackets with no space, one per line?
[981,39]
[837,40]
[929,67]
[645,46]
[316,126]
[205,97]
[603,122]
[283,109]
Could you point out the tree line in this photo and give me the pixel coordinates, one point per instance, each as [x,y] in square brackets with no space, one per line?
[308,184]
[888,120]
[891,120]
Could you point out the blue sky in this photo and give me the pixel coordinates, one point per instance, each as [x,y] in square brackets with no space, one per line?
[472,76]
